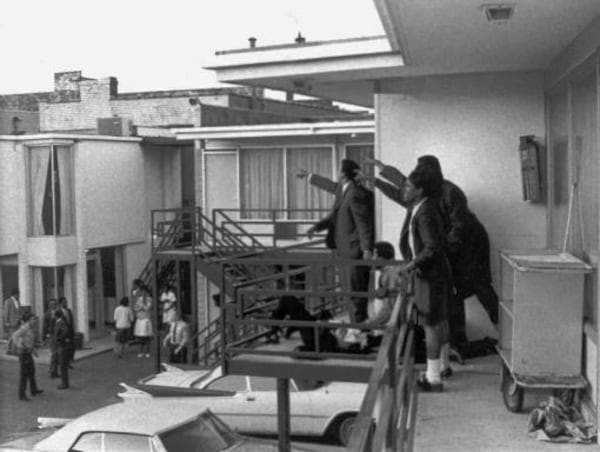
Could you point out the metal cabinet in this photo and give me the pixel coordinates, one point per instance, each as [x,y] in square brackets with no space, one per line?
[541,323]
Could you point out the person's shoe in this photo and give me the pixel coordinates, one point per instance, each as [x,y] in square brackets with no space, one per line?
[140,355]
[39,391]
[447,372]
[147,355]
[425,386]
[62,387]
[24,399]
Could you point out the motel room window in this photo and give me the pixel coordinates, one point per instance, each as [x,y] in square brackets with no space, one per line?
[50,194]
[301,194]
[261,183]
[270,189]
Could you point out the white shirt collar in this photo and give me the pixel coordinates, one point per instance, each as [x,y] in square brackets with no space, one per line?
[345,186]
[418,206]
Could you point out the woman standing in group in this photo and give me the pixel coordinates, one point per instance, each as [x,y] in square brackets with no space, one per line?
[422,244]
[143,323]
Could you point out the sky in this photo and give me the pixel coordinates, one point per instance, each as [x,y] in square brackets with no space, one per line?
[152,45]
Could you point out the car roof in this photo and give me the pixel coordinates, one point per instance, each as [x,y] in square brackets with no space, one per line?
[141,416]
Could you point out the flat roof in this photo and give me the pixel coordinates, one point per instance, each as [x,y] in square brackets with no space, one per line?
[68,136]
[276,130]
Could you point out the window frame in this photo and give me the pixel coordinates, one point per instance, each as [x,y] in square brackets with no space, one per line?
[52,145]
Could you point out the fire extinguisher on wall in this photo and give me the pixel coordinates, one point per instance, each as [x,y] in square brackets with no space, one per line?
[530,168]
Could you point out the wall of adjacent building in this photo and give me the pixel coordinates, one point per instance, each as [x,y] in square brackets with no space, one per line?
[12,197]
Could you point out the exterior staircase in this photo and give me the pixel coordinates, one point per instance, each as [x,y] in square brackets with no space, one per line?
[217,246]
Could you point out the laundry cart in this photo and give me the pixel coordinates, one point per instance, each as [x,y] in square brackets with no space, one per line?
[541,322]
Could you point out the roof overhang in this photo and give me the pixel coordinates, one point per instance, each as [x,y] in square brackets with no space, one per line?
[276,130]
[434,37]
[313,69]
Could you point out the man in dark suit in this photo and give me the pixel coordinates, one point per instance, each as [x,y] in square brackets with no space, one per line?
[48,333]
[467,242]
[70,325]
[350,232]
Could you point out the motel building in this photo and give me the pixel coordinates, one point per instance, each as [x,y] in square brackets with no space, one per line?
[469,83]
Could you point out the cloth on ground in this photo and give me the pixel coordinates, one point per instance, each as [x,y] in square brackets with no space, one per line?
[554,421]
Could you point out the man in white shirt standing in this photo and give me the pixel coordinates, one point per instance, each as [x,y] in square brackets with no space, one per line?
[10,313]
[177,339]
[123,317]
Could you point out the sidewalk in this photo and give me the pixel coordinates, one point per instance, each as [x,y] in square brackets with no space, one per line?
[92,348]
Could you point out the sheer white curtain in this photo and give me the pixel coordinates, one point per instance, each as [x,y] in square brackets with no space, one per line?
[301,194]
[39,159]
[65,178]
[261,182]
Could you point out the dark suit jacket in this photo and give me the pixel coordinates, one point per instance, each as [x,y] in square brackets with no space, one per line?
[350,225]
[432,282]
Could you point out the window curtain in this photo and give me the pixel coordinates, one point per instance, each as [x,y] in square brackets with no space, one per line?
[65,178]
[301,194]
[261,182]
[39,159]
[359,153]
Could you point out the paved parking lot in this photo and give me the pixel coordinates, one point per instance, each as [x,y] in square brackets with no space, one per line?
[95,381]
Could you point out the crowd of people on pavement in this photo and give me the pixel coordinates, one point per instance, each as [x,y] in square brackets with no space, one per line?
[444,248]
[134,323]
[58,333]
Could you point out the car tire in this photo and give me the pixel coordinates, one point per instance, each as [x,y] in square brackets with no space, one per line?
[342,428]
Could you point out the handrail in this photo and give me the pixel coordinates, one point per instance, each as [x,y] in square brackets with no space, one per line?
[397,413]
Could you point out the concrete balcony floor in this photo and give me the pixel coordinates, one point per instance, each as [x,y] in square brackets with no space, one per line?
[470,414]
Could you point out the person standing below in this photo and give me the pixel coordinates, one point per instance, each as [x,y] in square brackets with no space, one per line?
[49,338]
[142,329]
[350,232]
[64,343]
[422,245]
[70,322]
[168,303]
[123,318]
[11,313]
[177,339]
[24,338]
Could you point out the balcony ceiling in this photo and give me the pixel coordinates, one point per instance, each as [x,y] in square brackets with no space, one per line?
[423,38]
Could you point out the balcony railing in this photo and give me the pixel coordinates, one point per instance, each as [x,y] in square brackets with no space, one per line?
[387,416]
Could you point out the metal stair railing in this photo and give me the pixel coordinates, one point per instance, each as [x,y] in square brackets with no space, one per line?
[165,240]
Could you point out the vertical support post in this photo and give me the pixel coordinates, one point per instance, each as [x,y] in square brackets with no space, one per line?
[153,269]
[394,350]
[195,300]
[283,414]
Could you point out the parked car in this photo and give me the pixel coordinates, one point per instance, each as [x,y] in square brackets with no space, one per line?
[249,404]
[143,426]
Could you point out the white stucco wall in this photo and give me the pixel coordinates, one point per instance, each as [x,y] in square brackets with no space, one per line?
[109,181]
[472,123]
[12,197]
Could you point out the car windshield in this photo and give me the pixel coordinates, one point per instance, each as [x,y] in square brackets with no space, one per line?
[205,434]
